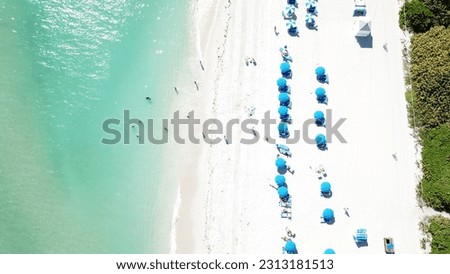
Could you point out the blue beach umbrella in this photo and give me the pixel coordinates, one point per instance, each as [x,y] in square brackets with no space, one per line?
[290,247]
[318,115]
[329,251]
[280,163]
[291,24]
[285,67]
[325,187]
[328,214]
[280,180]
[284,98]
[309,19]
[282,83]
[283,111]
[310,6]
[320,92]
[283,192]
[320,71]
[289,10]
[321,139]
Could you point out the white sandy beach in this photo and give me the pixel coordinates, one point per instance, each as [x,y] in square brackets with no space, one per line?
[227,204]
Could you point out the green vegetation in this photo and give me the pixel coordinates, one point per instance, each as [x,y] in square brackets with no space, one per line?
[435,184]
[421,15]
[437,230]
[428,99]
[430,74]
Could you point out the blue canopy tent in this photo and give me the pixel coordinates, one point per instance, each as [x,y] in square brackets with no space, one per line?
[321,141]
[283,130]
[286,70]
[292,27]
[325,187]
[321,75]
[290,247]
[329,251]
[285,99]
[280,180]
[309,19]
[321,96]
[289,11]
[311,6]
[284,115]
[283,86]
[280,163]
[328,215]
[320,118]
[283,192]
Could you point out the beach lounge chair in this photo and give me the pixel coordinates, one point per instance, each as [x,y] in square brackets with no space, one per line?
[286,204]
[360,8]
[286,213]
[283,149]
[361,235]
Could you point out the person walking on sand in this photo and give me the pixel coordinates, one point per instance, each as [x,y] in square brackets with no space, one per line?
[196,84]
[176,90]
[346,211]
[275,30]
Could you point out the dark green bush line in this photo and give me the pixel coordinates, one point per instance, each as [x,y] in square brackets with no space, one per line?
[422,15]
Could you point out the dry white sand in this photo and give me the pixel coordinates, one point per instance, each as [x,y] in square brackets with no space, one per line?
[227,203]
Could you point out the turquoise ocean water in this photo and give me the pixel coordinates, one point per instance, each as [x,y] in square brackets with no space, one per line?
[65,66]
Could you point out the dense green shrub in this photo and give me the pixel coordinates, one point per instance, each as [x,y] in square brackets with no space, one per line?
[430,74]
[416,15]
[439,229]
[435,184]
[440,10]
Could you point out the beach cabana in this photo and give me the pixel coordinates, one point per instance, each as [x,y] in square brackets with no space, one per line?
[360,8]
[321,141]
[283,130]
[311,6]
[309,20]
[328,215]
[320,118]
[329,251]
[321,96]
[321,76]
[292,27]
[280,163]
[280,180]
[285,99]
[288,12]
[290,247]
[325,188]
[362,27]
[286,70]
[284,115]
[283,192]
[283,86]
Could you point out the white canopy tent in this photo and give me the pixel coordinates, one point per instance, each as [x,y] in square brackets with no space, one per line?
[362,27]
